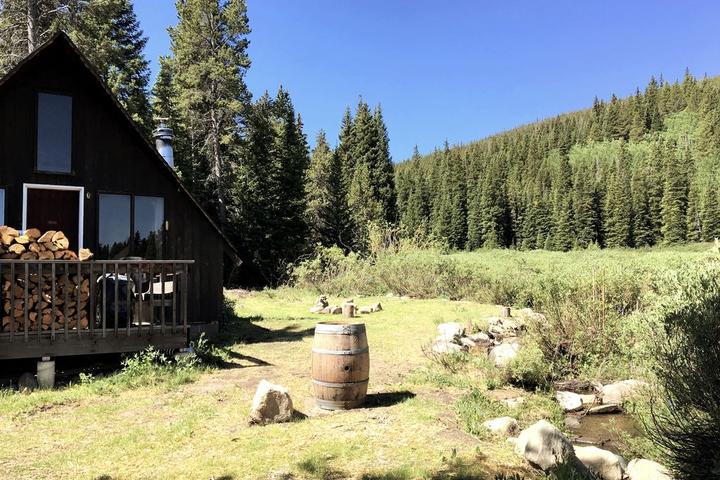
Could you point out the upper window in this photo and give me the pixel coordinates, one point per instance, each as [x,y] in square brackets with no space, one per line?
[54,133]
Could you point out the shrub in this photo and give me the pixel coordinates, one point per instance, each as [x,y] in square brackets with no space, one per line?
[687,357]
[530,369]
[475,407]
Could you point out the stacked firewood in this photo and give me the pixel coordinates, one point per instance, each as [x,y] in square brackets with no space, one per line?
[70,304]
[32,294]
[35,245]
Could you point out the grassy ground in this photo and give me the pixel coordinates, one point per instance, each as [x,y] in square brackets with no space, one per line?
[192,424]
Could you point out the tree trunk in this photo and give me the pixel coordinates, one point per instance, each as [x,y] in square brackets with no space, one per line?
[32,25]
[216,170]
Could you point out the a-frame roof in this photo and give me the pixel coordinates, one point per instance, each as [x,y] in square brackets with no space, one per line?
[61,38]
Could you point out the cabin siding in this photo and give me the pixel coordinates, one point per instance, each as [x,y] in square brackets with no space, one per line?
[108,156]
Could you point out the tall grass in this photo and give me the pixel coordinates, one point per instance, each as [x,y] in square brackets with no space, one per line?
[589,297]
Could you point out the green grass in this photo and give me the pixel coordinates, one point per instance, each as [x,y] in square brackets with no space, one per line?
[164,422]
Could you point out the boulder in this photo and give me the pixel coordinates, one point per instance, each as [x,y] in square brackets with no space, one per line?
[504,327]
[589,400]
[507,426]
[604,409]
[317,309]
[450,330]
[501,355]
[271,404]
[569,401]
[27,382]
[319,305]
[443,346]
[618,392]
[480,338]
[545,447]
[640,469]
[466,342]
[572,422]
[604,464]
[335,310]
[513,402]
[376,307]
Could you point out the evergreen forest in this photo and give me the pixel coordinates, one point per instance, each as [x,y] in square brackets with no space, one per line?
[627,172]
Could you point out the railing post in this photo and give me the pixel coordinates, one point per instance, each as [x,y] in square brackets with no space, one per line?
[52,301]
[25,298]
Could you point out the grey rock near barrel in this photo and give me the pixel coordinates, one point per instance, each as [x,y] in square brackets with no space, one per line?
[507,426]
[569,401]
[450,330]
[271,404]
[501,355]
[545,447]
[640,469]
[603,463]
[618,392]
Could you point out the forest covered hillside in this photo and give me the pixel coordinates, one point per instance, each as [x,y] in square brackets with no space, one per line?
[630,172]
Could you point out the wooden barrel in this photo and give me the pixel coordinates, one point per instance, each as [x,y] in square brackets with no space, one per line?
[340,365]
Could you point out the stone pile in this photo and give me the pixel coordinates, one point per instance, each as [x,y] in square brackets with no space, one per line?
[606,398]
[500,339]
[546,448]
[323,307]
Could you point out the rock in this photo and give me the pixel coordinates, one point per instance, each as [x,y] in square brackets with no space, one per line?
[545,447]
[572,422]
[604,464]
[507,426]
[588,400]
[501,355]
[640,469]
[320,305]
[527,314]
[443,346]
[370,308]
[334,310]
[481,338]
[466,342]
[514,402]
[317,309]
[27,382]
[505,327]
[618,392]
[450,330]
[604,409]
[569,401]
[271,404]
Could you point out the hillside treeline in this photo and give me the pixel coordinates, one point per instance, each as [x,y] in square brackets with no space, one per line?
[628,172]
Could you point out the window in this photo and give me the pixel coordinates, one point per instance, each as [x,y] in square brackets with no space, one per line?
[114,226]
[54,133]
[149,219]
[2,206]
[121,215]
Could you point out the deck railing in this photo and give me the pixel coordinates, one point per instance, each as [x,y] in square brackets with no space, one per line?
[99,298]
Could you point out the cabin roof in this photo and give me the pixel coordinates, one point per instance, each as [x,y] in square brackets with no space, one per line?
[62,38]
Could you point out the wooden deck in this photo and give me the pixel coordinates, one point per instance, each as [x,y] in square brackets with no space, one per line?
[126,305]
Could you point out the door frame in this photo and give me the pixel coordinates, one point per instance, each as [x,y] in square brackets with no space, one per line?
[70,188]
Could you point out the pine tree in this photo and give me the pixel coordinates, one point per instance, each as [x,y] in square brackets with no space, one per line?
[327,208]
[618,204]
[642,228]
[209,46]
[710,212]
[382,171]
[24,26]
[109,34]
[563,233]
[585,205]
[653,119]
[365,210]
[675,197]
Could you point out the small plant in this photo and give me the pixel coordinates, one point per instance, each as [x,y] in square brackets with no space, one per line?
[474,408]
[530,369]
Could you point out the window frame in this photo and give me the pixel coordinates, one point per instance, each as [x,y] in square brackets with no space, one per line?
[131,240]
[72,188]
[36,167]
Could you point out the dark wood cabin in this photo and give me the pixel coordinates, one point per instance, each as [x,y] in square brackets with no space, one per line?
[71,159]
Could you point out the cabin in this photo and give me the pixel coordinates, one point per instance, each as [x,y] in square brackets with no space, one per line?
[72,160]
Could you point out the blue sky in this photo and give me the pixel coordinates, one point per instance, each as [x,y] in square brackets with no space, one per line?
[460,70]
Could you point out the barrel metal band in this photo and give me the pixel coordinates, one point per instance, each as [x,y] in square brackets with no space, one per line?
[338,329]
[324,351]
[339,385]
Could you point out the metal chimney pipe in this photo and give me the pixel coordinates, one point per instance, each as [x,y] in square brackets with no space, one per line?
[163,136]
